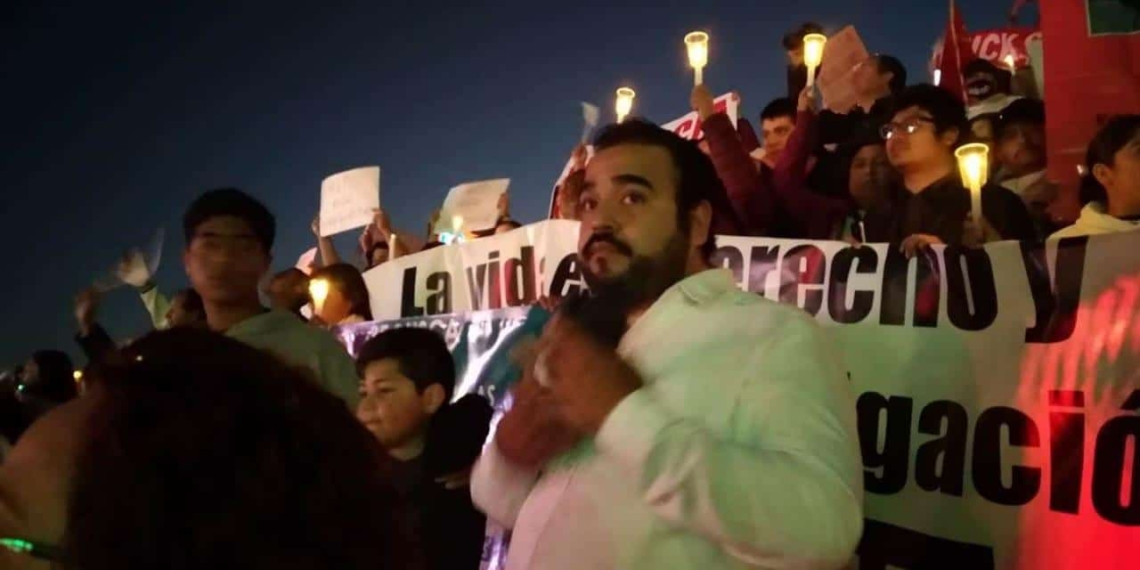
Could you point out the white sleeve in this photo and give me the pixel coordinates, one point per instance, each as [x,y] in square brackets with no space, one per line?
[499,488]
[784,488]
[156,305]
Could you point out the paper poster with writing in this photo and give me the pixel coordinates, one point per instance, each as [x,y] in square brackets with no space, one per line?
[348,198]
[476,203]
[843,52]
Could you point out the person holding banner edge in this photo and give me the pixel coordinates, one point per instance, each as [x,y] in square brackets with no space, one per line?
[719,433]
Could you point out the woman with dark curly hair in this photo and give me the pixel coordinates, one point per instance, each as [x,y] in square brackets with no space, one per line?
[197,451]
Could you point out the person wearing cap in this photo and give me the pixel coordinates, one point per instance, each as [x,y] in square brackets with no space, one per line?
[1110,188]
[987,94]
[1019,150]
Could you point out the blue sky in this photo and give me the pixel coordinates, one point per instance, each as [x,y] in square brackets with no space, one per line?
[117,114]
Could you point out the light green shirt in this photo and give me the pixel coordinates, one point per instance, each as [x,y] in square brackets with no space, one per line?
[740,451]
[295,341]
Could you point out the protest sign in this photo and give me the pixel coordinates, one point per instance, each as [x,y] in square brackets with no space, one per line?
[348,199]
[689,126]
[306,260]
[843,52]
[476,203]
[137,265]
[997,392]
[996,45]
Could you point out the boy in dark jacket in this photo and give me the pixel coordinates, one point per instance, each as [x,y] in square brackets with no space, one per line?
[407,379]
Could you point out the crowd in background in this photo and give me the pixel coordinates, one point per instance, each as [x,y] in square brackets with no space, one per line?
[182,415]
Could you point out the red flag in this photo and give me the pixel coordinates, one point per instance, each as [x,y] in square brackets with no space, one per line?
[956,53]
[1092,71]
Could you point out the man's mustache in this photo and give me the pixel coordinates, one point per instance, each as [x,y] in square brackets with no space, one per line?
[596,239]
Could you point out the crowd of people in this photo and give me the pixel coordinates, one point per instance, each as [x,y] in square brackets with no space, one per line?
[243,434]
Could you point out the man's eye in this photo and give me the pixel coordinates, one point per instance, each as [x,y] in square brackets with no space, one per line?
[587,204]
[633,198]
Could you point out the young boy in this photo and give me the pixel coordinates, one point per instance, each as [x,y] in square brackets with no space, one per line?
[229,236]
[407,379]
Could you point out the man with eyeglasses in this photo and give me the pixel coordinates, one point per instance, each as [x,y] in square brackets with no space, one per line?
[927,124]
[229,235]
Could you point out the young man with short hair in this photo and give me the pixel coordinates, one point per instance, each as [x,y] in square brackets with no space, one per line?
[407,381]
[229,237]
[927,125]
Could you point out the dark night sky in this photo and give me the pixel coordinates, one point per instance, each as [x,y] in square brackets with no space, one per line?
[116,114]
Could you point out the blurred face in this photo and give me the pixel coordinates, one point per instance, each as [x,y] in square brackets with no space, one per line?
[225,261]
[1121,179]
[1021,149]
[379,255]
[868,81]
[912,142]
[30,373]
[796,56]
[178,315]
[391,408]
[776,132]
[629,237]
[336,307]
[869,175]
[289,292]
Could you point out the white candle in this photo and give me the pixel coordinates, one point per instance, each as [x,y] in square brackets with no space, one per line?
[813,54]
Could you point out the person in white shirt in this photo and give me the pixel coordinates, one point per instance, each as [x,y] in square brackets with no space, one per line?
[1110,188]
[719,433]
[229,235]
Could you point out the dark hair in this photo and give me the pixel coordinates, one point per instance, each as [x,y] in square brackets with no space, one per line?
[348,280]
[697,180]
[203,452]
[420,354]
[507,222]
[56,381]
[301,297]
[192,302]
[1113,136]
[231,202]
[794,39]
[891,64]
[781,107]
[946,110]
[1020,112]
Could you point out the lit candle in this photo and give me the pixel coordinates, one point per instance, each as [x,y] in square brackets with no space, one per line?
[697,44]
[937,77]
[624,103]
[813,54]
[77,375]
[974,167]
[1011,63]
[318,292]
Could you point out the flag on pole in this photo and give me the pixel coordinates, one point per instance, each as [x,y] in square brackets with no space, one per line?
[956,53]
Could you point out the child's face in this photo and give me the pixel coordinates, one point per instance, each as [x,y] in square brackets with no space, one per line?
[390,406]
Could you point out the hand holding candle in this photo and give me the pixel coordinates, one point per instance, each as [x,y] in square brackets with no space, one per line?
[697,44]
[974,167]
[813,54]
[624,103]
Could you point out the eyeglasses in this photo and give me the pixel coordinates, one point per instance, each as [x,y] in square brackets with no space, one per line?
[909,126]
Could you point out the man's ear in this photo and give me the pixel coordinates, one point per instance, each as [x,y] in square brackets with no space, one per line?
[700,224]
[950,137]
[433,398]
[1103,174]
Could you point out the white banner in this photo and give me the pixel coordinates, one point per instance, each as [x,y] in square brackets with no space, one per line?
[998,388]
[689,126]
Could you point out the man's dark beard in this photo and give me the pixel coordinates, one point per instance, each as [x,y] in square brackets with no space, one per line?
[611,299]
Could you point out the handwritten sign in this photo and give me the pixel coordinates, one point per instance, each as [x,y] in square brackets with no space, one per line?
[476,203]
[348,198]
[689,126]
[843,53]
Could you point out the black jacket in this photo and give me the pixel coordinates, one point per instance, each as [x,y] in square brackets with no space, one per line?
[941,210]
[450,529]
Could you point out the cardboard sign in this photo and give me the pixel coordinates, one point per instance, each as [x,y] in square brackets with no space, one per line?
[348,198]
[842,54]
[689,126]
[476,202]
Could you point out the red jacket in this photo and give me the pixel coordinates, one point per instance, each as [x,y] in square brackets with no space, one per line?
[773,201]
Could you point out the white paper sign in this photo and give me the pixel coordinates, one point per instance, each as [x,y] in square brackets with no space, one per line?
[689,126]
[305,262]
[477,203]
[348,198]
